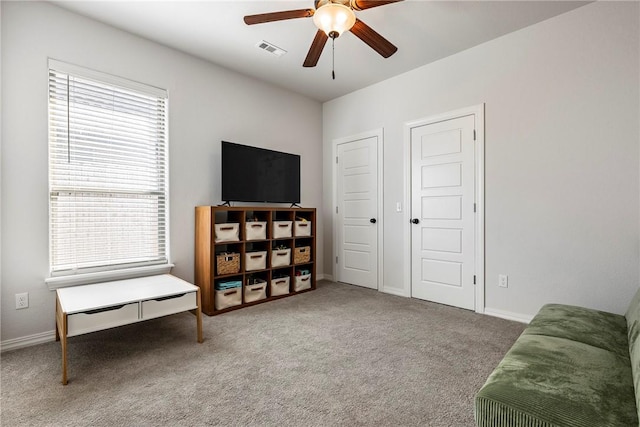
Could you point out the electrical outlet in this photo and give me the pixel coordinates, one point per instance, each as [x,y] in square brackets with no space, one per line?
[22,300]
[503,280]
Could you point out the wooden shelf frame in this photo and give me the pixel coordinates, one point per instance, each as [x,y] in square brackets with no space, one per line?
[206,249]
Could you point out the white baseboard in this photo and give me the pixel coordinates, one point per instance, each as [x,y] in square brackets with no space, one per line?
[518,317]
[396,292]
[28,341]
[324,277]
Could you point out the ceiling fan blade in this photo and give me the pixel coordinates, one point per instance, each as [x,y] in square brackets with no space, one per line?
[278,16]
[373,39]
[368,4]
[316,49]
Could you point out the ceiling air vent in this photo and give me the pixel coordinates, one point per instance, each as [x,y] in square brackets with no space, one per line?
[266,46]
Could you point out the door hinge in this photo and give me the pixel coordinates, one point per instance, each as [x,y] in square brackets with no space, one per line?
[336,209]
[336,159]
[474,279]
[474,207]
[474,134]
[336,260]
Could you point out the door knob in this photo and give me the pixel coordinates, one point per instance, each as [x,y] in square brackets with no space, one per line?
[372,221]
[415,221]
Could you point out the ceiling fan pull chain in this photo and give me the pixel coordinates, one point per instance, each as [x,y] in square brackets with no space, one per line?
[333,58]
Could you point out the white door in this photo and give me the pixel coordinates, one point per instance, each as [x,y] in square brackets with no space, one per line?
[356,212]
[442,204]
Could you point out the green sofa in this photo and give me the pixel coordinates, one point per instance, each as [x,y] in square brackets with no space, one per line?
[572,366]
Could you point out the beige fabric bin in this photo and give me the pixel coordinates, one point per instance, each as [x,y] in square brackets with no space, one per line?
[302,228]
[228,298]
[255,291]
[227,232]
[256,230]
[301,283]
[279,286]
[280,257]
[255,260]
[281,229]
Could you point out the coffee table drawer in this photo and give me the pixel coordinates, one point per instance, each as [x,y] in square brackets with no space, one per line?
[168,305]
[96,320]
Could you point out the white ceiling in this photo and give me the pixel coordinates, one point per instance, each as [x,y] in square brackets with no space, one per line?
[424,31]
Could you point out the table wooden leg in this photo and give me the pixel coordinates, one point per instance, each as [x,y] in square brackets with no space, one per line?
[63,342]
[199,317]
[61,334]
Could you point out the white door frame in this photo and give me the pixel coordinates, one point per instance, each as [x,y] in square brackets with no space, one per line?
[379,133]
[478,111]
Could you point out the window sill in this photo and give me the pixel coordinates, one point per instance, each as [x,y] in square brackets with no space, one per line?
[105,276]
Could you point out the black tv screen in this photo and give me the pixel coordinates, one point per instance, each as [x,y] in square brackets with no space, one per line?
[252,174]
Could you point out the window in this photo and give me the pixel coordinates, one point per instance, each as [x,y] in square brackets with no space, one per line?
[107,172]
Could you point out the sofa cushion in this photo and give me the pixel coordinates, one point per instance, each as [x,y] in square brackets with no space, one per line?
[633,324]
[633,312]
[551,381]
[635,368]
[597,328]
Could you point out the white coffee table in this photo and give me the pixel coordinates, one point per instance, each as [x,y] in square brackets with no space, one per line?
[90,308]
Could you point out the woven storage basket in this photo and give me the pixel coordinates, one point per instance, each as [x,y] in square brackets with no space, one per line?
[228,263]
[302,254]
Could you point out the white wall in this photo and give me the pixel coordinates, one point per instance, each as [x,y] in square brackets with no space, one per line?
[562,173]
[207,104]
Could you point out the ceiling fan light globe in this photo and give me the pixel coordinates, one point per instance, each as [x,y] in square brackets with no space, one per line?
[334,18]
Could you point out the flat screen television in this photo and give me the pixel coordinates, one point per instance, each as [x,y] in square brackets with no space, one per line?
[252,174]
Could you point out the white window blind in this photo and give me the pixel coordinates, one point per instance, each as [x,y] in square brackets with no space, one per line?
[107,172]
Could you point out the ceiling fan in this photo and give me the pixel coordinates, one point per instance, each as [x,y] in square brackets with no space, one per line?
[333,17]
